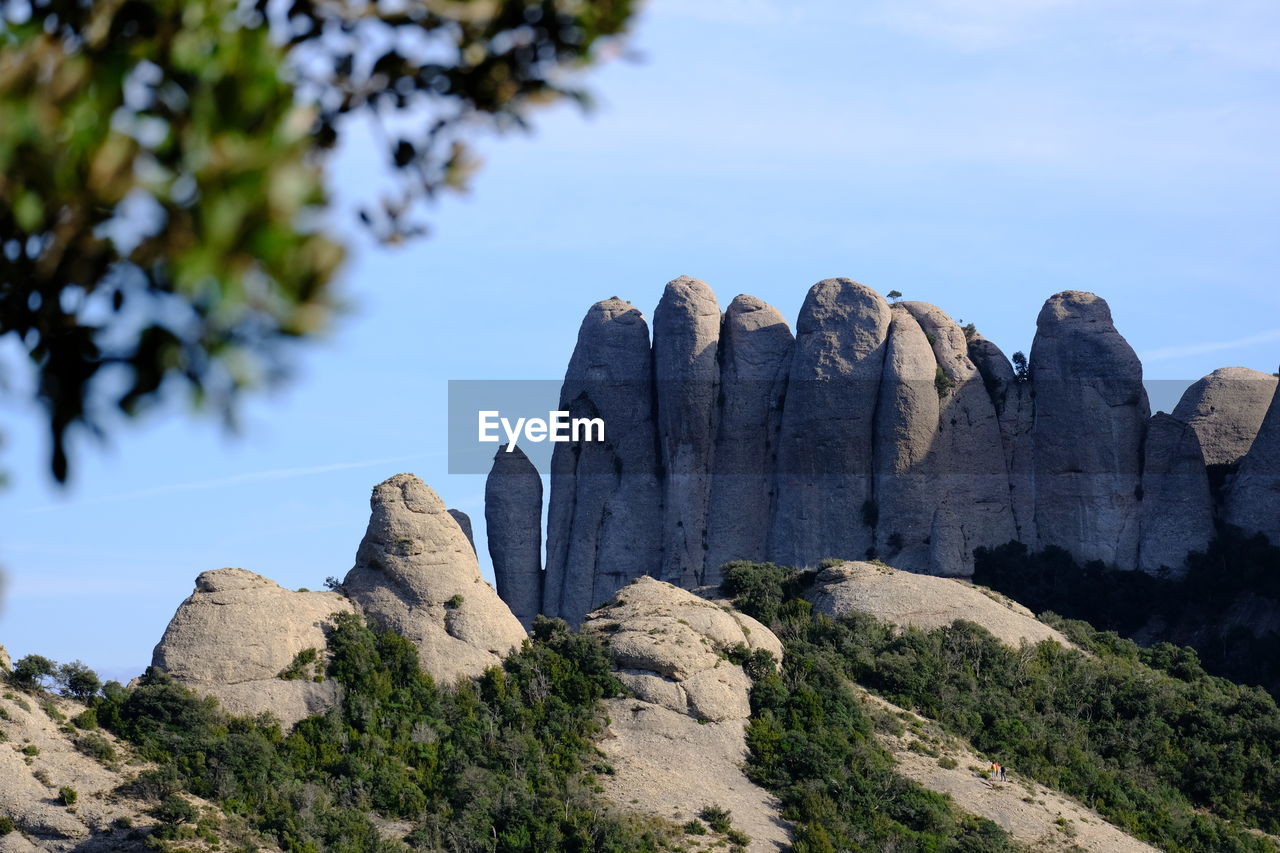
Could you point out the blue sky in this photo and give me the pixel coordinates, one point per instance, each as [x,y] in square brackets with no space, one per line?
[977,154]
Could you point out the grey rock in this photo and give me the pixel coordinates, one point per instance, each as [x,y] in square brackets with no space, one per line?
[1015,411]
[6,663]
[464,523]
[513,526]
[1091,412]
[604,524]
[1226,409]
[238,631]
[825,460]
[755,356]
[1177,507]
[971,479]
[1253,499]
[906,427]
[686,335]
[416,574]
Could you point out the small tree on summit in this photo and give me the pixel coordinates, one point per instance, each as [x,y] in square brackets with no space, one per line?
[895,295]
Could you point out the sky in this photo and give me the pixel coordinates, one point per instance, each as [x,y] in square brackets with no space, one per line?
[977,154]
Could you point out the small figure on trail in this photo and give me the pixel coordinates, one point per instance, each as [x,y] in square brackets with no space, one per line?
[1002,773]
[995,771]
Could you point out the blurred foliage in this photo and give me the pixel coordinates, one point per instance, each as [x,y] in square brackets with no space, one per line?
[160,170]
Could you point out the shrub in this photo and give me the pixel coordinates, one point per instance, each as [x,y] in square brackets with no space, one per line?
[86,719]
[31,749]
[30,672]
[454,602]
[302,666]
[96,747]
[67,795]
[7,825]
[694,827]
[174,810]
[718,818]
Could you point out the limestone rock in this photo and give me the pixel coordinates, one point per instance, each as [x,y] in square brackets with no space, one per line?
[920,601]
[906,427]
[686,336]
[824,458]
[679,744]
[604,524]
[513,526]
[1091,411]
[464,523]
[755,356]
[1253,501]
[238,631]
[1011,396]
[1226,409]
[416,574]
[1177,507]
[971,480]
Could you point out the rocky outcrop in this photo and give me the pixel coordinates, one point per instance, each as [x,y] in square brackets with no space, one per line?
[825,505]
[1091,411]
[971,506]
[679,745]
[1226,409]
[1253,499]
[415,573]
[906,427]
[1010,393]
[1177,506]
[755,357]
[513,526]
[686,335]
[236,635]
[464,524]
[919,601]
[6,663]
[604,523]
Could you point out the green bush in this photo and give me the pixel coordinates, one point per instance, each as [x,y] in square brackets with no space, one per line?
[67,795]
[78,681]
[7,825]
[96,747]
[174,810]
[30,672]
[86,719]
[719,819]
[302,666]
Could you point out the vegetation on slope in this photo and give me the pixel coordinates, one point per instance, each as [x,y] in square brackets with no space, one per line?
[1176,757]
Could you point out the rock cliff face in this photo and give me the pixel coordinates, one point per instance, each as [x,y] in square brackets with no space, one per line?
[1177,508]
[416,573]
[679,744]
[1090,413]
[464,524]
[1226,409]
[605,517]
[239,632]
[513,521]
[1253,499]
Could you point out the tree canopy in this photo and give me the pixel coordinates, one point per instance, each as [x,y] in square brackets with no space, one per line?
[161,170]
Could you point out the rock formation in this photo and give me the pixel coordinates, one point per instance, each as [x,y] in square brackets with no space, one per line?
[513,525]
[825,498]
[1226,409]
[755,358]
[1011,395]
[1090,413]
[1253,499]
[1177,506]
[919,601]
[6,663]
[239,632]
[679,744]
[415,573]
[464,523]
[686,335]
[604,523]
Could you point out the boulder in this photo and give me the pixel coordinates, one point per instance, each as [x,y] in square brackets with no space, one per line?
[911,600]
[1090,414]
[513,526]
[1177,507]
[464,523]
[755,357]
[825,465]
[604,522]
[906,427]
[686,336]
[679,744]
[1226,409]
[972,507]
[239,632]
[1253,499]
[415,573]
[1011,396]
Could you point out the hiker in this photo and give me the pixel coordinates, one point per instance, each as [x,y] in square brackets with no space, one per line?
[995,771]
[1002,773]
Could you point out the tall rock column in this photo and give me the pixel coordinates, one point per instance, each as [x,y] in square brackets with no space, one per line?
[1177,508]
[906,426]
[755,356]
[1091,412]
[604,523]
[1011,396]
[972,503]
[513,526]
[686,335]
[1253,499]
[825,506]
